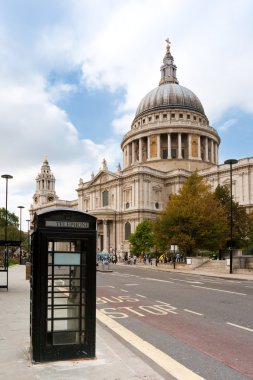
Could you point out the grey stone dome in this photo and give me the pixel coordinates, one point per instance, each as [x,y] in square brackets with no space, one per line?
[170,95]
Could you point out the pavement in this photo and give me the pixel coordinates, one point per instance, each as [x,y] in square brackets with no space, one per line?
[116,358]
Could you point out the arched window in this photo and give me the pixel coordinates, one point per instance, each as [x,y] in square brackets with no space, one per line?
[127,230]
[105,198]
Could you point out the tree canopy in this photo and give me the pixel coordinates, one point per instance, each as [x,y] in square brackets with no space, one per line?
[142,239]
[193,219]
[240,218]
[12,222]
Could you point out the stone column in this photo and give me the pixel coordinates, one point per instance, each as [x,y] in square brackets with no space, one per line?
[169,146]
[199,148]
[212,152]
[140,150]
[133,152]
[206,149]
[158,141]
[99,242]
[148,148]
[189,146]
[128,155]
[105,249]
[179,146]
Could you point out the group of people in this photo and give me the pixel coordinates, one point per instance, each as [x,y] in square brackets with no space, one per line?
[142,258]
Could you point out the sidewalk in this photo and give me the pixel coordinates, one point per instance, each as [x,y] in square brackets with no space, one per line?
[115,360]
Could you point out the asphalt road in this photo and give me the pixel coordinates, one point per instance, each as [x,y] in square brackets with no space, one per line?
[202,322]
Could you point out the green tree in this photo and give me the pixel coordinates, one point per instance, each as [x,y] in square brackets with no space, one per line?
[193,219]
[250,237]
[12,223]
[240,217]
[142,239]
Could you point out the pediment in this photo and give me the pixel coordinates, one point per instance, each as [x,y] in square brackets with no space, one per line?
[102,177]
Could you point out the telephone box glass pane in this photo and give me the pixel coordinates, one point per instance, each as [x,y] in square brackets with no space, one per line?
[66,292]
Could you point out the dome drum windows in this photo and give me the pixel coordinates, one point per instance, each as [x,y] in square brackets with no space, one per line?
[164,154]
[173,153]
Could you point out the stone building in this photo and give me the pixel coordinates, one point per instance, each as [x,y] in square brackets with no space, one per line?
[170,137]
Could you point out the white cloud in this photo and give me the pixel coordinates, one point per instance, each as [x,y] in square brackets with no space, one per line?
[119,45]
[122,124]
[227,125]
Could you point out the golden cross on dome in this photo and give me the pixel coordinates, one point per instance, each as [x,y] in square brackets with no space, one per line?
[168,44]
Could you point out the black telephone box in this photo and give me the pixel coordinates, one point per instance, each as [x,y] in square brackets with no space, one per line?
[63,286]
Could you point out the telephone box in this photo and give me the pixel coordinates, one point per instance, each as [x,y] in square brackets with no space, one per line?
[63,286]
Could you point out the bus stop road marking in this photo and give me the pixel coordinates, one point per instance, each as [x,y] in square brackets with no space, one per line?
[170,365]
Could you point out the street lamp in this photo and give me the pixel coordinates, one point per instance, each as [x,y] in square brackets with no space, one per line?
[7,177]
[20,223]
[231,162]
[28,238]
[6,256]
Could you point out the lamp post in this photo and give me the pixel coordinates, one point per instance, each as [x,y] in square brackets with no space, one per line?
[231,162]
[7,177]
[6,255]
[20,230]
[28,238]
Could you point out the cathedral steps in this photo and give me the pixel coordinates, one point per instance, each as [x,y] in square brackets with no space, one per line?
[215,266]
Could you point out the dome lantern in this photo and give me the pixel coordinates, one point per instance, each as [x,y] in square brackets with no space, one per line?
[168,69]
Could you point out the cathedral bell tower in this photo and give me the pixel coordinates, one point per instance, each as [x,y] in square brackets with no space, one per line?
[45,186]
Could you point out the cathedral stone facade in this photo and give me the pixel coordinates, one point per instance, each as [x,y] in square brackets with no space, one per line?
[170,137]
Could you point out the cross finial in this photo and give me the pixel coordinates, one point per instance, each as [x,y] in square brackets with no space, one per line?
[168,44]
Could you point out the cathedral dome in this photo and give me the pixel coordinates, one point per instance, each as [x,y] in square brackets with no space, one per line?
[170,95]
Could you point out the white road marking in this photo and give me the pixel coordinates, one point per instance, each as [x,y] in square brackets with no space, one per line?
[239,327]
[123,290]
[106,286]
[166,306]
[169,365]
[193,312]
[123,274]
[131,284]
[188,281]
[218,290]
[158,280]
[139,295]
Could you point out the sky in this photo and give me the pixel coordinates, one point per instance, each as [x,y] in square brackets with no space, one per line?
[72,74]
